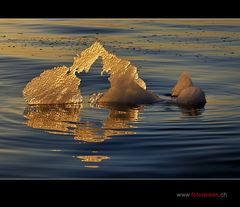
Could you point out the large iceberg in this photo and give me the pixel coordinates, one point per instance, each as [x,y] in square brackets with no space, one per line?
[61,85]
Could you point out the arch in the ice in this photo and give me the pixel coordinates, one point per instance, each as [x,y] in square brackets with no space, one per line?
[60,85]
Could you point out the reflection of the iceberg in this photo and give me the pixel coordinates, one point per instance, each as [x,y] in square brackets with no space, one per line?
[64,119]
[92,160]
[56,118]
[119,116]
[190,111]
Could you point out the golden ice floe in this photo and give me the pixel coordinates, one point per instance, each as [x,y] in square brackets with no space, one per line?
[54,86]
[60,85]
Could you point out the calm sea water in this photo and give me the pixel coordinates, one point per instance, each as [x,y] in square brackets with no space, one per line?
[151,141]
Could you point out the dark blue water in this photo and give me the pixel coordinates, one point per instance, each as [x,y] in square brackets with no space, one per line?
[149,141]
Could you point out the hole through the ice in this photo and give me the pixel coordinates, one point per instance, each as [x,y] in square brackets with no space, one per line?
[93,81]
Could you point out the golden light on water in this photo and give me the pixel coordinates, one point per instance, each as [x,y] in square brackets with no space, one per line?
[91,166]
[57,118]
[93,159]
[64,119]
[18,41]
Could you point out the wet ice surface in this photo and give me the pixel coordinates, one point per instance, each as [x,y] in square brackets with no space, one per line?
[86,140]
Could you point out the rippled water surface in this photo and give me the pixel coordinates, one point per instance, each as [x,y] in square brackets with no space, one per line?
[153,141]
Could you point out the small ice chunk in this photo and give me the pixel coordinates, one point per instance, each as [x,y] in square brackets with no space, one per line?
[187,94]
[191,96]
[183,82]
